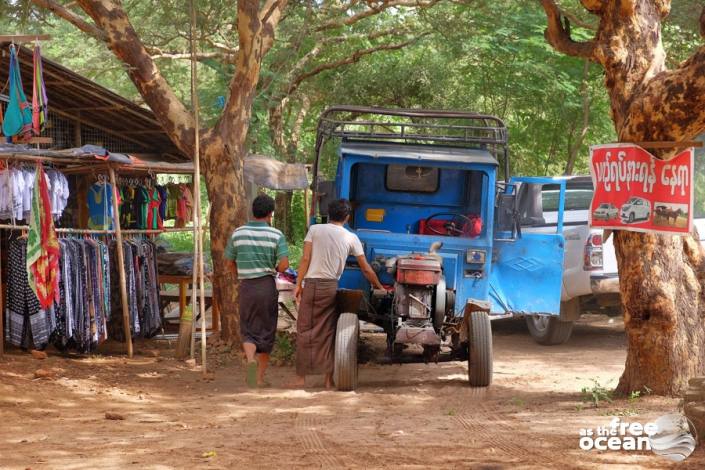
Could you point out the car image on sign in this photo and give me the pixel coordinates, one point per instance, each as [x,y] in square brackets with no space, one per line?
[605,211]
[635,209]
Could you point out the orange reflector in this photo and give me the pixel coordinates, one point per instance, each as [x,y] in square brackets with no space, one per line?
[374,215]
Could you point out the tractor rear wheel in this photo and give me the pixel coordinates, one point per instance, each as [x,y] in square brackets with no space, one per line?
[346,338]
[479,349]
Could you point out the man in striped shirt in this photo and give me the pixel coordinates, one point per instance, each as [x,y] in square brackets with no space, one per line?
[257,251]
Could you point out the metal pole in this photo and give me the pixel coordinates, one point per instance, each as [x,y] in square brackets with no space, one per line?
[121,264]
[197,189]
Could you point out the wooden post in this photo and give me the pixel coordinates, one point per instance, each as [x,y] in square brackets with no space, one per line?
[185,340]
[197,189]
[77,141]
[121,264]
[24,37]
[194,285]
[307,218]
[2,312]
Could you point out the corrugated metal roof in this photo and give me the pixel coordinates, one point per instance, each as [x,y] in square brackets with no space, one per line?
[75,97]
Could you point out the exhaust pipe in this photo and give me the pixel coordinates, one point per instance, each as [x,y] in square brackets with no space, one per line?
[435,246]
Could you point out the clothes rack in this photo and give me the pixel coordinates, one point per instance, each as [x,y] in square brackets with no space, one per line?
[78,165]
[106,232]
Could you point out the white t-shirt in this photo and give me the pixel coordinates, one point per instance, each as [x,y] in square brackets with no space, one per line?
[331,246]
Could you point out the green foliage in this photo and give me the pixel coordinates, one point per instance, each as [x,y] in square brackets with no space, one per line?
[634,396]
[284,351]
[489,57]
[596,393]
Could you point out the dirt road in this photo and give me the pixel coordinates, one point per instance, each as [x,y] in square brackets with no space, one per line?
[403,416]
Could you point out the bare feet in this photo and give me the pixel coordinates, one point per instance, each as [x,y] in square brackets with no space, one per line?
[329,384]
[298,382]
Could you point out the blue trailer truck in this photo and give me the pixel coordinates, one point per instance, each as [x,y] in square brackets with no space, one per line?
[437,213]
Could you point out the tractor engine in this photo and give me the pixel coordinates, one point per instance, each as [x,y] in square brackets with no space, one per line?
[418,287]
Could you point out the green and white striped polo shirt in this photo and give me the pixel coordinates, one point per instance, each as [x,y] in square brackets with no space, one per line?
[256,248]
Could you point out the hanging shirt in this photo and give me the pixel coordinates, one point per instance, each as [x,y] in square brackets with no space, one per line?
[154,221]
[100,206]
[58,192]
[27,192]
[184,210]
[128,215]
[173,193]
[163,196]
[5,195]
[141,202]
[18,193]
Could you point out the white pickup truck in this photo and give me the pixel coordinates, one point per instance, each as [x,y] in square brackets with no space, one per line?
[590,280]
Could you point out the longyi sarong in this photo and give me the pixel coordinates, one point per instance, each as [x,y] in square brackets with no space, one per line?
[259,308]
[315,327]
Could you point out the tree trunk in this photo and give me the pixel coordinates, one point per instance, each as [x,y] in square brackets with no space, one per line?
[287,151]
[224,178]
[662,277]
[661,280]
[282,214]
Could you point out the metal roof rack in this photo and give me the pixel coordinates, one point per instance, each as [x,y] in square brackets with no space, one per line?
[425,126]
[417,126]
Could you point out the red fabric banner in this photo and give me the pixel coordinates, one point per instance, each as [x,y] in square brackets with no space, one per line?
[636,191]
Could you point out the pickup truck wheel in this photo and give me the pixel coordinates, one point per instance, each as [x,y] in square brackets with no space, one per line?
[479,349]
[549,330]
[346,338]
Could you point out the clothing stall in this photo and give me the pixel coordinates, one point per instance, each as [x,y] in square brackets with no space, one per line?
[62,282]
[106,207]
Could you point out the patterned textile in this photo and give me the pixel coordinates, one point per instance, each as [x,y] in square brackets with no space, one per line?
[27,326]
[42,245]
[39,95]
[142,290]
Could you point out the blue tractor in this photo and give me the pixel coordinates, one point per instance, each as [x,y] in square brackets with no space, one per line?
[440,223]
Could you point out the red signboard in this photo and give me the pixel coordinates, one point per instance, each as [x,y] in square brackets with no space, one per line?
[636,191]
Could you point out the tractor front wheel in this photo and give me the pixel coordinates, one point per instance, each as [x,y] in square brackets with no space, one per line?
[479,349]
[346,338]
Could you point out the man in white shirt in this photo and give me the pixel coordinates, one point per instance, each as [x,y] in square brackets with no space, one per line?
[326,248]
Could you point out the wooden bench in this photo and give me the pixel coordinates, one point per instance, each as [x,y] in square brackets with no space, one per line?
[182,294]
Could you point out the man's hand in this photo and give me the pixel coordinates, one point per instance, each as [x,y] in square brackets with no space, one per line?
[297,294]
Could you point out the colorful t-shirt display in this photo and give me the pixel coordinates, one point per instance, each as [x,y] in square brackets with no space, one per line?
[100,206]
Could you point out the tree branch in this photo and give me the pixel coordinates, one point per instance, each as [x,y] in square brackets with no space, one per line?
[270,17]
[663,7]
[671,107]
[228,57]
[374,9]
[122,39]
[577,21]
[73,18]
[351,59]
[594,6]
[557,34]
[627,8]
[318,49]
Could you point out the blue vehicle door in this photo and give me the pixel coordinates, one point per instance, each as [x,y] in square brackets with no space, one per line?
[527,266]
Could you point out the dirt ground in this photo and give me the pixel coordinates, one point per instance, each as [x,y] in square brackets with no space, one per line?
[403,416]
